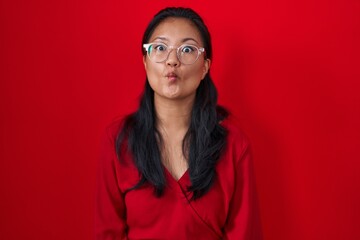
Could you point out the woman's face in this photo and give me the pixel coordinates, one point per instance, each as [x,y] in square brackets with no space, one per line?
[172,79]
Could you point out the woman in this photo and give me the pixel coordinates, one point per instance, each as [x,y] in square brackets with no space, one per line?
[177,168]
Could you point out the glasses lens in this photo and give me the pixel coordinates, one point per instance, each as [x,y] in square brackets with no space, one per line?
[158,52]
[188,54]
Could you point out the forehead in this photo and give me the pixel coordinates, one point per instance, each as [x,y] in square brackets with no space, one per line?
[175,30]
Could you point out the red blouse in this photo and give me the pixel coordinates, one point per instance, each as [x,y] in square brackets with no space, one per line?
[227,211]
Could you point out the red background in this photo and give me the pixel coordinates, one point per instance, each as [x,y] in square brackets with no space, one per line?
[289,70]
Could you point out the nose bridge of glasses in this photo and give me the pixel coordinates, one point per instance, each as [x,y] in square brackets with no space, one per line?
[172,50]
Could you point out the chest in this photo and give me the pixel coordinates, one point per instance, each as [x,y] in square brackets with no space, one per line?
[174,209]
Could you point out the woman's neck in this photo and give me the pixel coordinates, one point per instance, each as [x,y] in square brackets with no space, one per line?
[173,115]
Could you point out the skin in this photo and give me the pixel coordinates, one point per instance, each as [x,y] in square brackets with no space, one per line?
[174,96]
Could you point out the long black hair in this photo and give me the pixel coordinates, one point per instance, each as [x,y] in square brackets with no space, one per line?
[205,139]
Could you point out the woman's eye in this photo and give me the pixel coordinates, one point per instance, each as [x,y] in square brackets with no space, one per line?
[160,48]
[187,49]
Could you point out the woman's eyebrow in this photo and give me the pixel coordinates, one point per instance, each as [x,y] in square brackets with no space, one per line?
[161,38]
[189,39]
[182,40]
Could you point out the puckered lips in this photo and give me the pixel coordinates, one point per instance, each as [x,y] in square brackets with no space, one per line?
[171,76]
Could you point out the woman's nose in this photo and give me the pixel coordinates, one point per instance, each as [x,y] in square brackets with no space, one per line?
[172,59]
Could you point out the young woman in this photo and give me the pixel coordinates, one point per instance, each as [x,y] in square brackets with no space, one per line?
[177,168]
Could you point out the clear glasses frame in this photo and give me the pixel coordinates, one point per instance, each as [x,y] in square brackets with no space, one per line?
[178,52]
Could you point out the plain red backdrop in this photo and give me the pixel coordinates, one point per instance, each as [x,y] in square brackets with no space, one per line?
[289,70]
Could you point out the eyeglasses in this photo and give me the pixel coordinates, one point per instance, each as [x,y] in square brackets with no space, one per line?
[159,52]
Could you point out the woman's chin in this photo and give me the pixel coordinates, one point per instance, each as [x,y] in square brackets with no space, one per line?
[172,92]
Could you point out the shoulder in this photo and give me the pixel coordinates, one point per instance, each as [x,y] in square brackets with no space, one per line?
[234,131]
[116,137]
[119,124]
[237,140]
[114,128]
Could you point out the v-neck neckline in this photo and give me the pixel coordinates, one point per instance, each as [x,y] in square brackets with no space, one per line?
[181,185]
[182,179]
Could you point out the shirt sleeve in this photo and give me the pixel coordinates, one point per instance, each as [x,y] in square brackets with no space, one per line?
[110,218]
[243,222]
